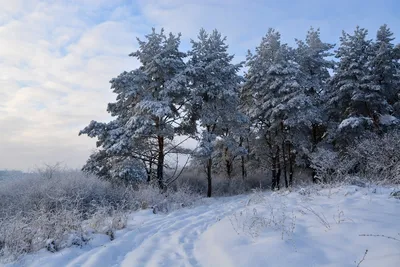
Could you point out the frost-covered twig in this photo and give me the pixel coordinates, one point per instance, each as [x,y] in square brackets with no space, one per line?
[175,177]
[320,216]
[385,236]
[363,258]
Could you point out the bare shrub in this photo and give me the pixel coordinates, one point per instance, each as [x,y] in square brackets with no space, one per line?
[325,163]
[320,216]
[69,191]
[166,201]
[106,220]
[28,232]
[373,158]
[251,222]
[55,208]
[377,158]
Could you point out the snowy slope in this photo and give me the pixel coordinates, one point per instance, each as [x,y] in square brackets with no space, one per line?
[305,228]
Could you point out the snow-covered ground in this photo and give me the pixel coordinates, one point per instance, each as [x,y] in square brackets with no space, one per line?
[310,227]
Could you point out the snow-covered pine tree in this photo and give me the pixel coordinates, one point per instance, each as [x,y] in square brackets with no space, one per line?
[314,66]
[231,147]
[214,83]
[277,100]
[354,103]
[231,144]
[119,157]
[311,56]
[384,75]
[148,108]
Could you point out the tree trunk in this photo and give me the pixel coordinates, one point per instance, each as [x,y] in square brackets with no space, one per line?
[284,163]
[243,166]
[209,179]
[148,166]
[278,165]
[314,176]
[273,159]
[314,136]
[291,162]
[160,162]
[244,174]
[228,164]
[374,117]
[229,168]
[273,170]
[148,176]
[314,145]
[248,149]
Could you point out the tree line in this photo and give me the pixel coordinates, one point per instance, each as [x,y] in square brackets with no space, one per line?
[291,105]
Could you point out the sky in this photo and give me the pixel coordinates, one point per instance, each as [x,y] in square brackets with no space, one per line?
[57,57]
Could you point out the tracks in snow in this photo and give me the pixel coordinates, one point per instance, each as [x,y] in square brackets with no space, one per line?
[167,240]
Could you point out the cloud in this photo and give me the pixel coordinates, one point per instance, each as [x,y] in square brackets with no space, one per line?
[57,57]
[57,65]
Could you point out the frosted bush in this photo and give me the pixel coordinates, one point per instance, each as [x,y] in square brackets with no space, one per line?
[46,210]
[164,202]
[325,163]
[377,158]
[54,209]
[29,232]
[252,223]
[106,220]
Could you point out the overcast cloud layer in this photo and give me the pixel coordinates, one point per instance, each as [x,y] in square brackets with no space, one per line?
[57,57]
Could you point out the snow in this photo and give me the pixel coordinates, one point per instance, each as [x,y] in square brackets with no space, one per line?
[353,122]
[388,119]
[309,227]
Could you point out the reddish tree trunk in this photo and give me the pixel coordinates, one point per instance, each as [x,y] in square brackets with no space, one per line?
[160,162]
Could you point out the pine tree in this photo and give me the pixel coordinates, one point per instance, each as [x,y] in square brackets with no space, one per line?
[230,146]
[272,81]
[384,75]
[149,105]
[314,66]
[354,103]
[119,158]
[214,85]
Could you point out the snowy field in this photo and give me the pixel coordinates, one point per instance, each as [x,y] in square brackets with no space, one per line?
[309,227]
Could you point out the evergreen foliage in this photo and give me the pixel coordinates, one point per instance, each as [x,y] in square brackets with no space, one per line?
[295,109]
